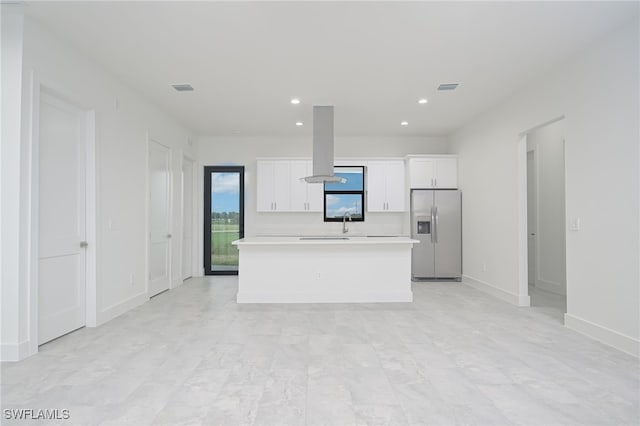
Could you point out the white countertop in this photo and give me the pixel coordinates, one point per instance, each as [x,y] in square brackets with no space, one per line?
[324,239]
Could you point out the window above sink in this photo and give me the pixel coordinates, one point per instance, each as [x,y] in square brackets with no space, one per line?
[345,199]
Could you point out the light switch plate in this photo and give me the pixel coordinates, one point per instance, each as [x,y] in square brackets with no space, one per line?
[574,224]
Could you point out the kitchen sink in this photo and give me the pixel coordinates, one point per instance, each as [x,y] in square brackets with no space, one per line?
[324,238]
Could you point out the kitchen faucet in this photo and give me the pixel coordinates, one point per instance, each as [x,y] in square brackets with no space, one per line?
[344,222]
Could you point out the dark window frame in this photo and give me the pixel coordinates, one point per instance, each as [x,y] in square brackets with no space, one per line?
[346,192]
[208,170]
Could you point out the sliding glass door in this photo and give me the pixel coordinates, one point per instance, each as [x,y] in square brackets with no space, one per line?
[223,217]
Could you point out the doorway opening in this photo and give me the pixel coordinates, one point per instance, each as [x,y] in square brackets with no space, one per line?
[223,218]
[546,223]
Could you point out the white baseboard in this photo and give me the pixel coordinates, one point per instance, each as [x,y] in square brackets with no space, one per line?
[117,309]
[603,334]
[551,287]
[324,297]
[514,299]
[14,351]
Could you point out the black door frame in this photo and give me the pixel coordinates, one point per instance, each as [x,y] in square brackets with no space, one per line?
[208,170]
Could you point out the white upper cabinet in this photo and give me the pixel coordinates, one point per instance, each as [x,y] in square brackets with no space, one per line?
[305,197]
[273,186]
[446,173]
[385,186]
[421,172]
[433,172]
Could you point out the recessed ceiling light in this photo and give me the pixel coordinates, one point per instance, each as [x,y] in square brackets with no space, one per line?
[422,101]
[404,123]
[295,101]
[299,123]
[182,87]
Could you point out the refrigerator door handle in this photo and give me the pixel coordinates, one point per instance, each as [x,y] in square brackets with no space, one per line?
[435,225]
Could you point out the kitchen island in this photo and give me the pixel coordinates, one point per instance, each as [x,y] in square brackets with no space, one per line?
[321,269]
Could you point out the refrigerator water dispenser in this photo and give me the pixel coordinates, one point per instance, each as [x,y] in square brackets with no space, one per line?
[424,225]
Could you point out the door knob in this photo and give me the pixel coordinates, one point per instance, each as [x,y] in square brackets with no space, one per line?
[532,234]
[83,244]
[168,235]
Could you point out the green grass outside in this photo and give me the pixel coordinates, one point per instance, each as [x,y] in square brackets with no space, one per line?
[222,234]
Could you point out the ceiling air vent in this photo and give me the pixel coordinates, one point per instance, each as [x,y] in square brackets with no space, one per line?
[448,86]
[182,87]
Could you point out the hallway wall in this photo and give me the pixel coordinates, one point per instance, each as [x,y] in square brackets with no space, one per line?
[602,182]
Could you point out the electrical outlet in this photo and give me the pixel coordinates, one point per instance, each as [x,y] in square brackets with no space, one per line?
[132,279]
[484,266]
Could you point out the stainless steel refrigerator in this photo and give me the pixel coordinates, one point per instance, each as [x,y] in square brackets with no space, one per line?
[436,220]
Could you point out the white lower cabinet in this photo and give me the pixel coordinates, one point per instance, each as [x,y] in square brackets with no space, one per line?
[385,186]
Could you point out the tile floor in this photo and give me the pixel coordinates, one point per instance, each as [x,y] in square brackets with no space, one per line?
[454,356]
[547,303]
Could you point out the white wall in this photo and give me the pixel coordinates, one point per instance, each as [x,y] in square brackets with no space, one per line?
[548,144]
[124,120]
[235,150]
[13,341]
[598,93]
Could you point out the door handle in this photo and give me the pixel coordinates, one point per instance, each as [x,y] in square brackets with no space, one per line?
[168,235]
[433,225]
[435,228]
[83,244]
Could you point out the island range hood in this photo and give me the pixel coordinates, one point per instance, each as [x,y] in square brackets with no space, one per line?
[323,146]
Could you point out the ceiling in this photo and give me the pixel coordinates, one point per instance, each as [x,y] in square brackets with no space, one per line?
[372,60]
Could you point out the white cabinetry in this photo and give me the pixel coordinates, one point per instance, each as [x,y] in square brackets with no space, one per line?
[385,186]
[273,186]
[305,197]
[433,172]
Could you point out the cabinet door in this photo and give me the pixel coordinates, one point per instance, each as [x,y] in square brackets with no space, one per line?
[298,170]
[376,186]
[315,193]
[421,172]
[446,173]
[395,186]
[281,186]
[264,186]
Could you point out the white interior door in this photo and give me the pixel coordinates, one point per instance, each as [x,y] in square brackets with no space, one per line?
[187,218]
[159,218]
[62,218]
[532,208]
